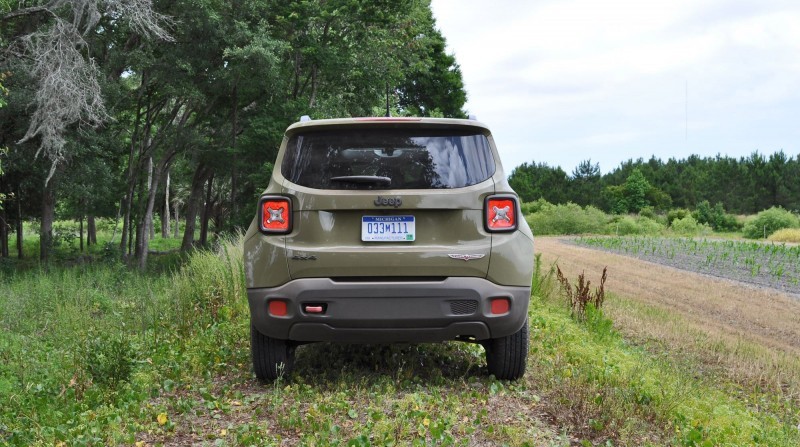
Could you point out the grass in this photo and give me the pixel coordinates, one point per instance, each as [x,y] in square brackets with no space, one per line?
[99,355]
[164,254]
[786,235]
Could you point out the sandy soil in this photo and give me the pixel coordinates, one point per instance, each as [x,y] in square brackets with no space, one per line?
[762,315]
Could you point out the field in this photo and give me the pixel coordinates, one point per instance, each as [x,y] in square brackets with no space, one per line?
[763,264]
[743,336]
[95,354]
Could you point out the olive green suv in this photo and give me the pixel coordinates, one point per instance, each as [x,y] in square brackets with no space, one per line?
[388,230]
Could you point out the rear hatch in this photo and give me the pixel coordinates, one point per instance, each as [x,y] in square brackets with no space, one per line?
[378,200]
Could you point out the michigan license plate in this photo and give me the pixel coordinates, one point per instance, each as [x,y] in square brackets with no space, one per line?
[387,228]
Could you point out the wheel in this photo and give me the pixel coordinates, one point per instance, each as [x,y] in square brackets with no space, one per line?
[506,356]
[272,358]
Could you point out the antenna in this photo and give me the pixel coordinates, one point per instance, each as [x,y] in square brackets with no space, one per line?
[388,111]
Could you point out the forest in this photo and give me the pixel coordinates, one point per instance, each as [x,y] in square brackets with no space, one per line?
[742,186]
[170,113]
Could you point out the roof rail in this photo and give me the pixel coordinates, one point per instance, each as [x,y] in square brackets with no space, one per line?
[305,118]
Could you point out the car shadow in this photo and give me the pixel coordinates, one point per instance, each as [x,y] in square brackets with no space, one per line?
[404,364]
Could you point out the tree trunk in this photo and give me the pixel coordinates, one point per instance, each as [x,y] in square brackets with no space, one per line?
[193,205]
[150,190]
[147,232]
[3,233]
[206,215]
[48,216]
[91,230]
[80,232]
[20,234]
[234,172]
[177,223]
[165,218]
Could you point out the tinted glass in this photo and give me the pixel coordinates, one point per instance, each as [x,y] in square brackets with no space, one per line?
[387,159]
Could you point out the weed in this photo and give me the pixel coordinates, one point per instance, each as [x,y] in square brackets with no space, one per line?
[109,358]
[581,297]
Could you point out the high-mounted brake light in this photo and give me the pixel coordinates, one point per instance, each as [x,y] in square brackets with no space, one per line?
[500,213]
[275,214]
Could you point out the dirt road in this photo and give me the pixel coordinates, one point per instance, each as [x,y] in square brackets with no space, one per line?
[716,307]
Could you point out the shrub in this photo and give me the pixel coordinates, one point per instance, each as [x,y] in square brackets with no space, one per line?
[786,235]
[534,207]
[769,221]
[109,358]
[673,215]
[715,217]
[567,219]
[648,212]
[688,226]
[632,225]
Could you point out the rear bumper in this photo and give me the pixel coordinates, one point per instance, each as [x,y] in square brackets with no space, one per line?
[388,311]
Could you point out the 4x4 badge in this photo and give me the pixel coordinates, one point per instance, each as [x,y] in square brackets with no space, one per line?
[466,257]
[388,201]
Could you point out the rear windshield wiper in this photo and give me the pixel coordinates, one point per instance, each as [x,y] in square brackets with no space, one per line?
[363,179]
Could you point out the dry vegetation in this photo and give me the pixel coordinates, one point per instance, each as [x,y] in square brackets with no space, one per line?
[746,334]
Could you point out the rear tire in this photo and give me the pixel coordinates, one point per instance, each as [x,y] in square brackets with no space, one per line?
[272,358]
[507,356]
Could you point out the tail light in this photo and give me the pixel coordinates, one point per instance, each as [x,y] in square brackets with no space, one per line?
[500,213]
[275,214]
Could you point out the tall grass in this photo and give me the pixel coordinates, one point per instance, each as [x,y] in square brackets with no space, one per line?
[786,235]
[81,347]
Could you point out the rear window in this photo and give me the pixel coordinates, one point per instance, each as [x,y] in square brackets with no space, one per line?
[388,159]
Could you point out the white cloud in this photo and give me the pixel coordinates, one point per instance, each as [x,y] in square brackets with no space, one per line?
[562,81]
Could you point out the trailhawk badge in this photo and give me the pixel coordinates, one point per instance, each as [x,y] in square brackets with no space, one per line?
[466,257]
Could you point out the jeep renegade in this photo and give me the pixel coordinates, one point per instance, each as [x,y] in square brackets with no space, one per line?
[388,230]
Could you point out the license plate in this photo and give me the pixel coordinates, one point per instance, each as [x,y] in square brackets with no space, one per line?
[387,228]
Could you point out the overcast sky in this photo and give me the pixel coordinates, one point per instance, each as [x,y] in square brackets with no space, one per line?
[560,81]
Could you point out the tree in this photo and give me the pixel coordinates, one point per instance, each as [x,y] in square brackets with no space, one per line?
[636,189]
[67,85]
[433,85]
[534,181]
[584,183]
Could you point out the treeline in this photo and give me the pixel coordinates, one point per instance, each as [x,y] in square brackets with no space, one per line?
[132,110]
[742,186]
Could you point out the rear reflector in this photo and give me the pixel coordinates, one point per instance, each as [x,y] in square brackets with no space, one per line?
[275,214]
[314,308]
[500,306]
[277,308]
[500,213]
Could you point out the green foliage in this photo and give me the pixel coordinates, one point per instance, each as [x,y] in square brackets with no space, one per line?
[768,221]
[688,226]
[614,197]
[567,219]
[109,358]
[675,214]
[715,217]
[744,185]
[636,189]
[186,337]
[539,181]
[628,225]
[534,207]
